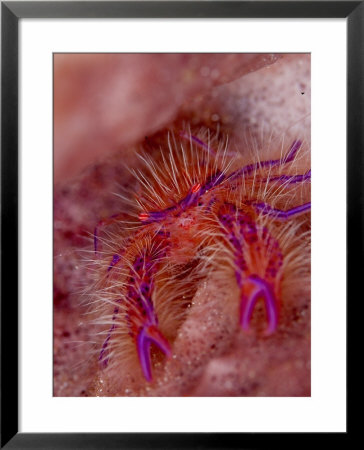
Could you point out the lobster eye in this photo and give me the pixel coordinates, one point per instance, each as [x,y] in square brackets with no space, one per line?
[196,187]
[143,216]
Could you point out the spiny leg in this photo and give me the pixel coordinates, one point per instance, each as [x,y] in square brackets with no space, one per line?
[295,146]
[291,179]
[142,320]
[246,170]
[257,260]
[266,209]
[137,304]
[190,199]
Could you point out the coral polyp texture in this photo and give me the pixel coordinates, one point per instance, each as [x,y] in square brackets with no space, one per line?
[202,210]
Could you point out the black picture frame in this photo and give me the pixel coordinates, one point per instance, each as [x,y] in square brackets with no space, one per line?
[11,12]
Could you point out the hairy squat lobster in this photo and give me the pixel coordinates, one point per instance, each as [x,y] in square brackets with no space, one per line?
[200,210]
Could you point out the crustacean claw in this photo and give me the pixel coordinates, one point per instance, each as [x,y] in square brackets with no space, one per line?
[148,335]
[255,288]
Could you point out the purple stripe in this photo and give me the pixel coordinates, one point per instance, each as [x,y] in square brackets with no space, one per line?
[212,181]
[291,178]
[266,209]
[292,151]
[269,163]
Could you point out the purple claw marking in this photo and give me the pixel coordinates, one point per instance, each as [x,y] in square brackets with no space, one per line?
[141,318]
[147,336]
[278,213]
[143,346]
[261,290]
[246,309]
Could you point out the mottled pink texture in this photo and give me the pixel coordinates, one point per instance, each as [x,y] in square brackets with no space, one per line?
[107,102]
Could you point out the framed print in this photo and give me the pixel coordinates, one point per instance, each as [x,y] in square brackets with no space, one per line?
[174,176]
